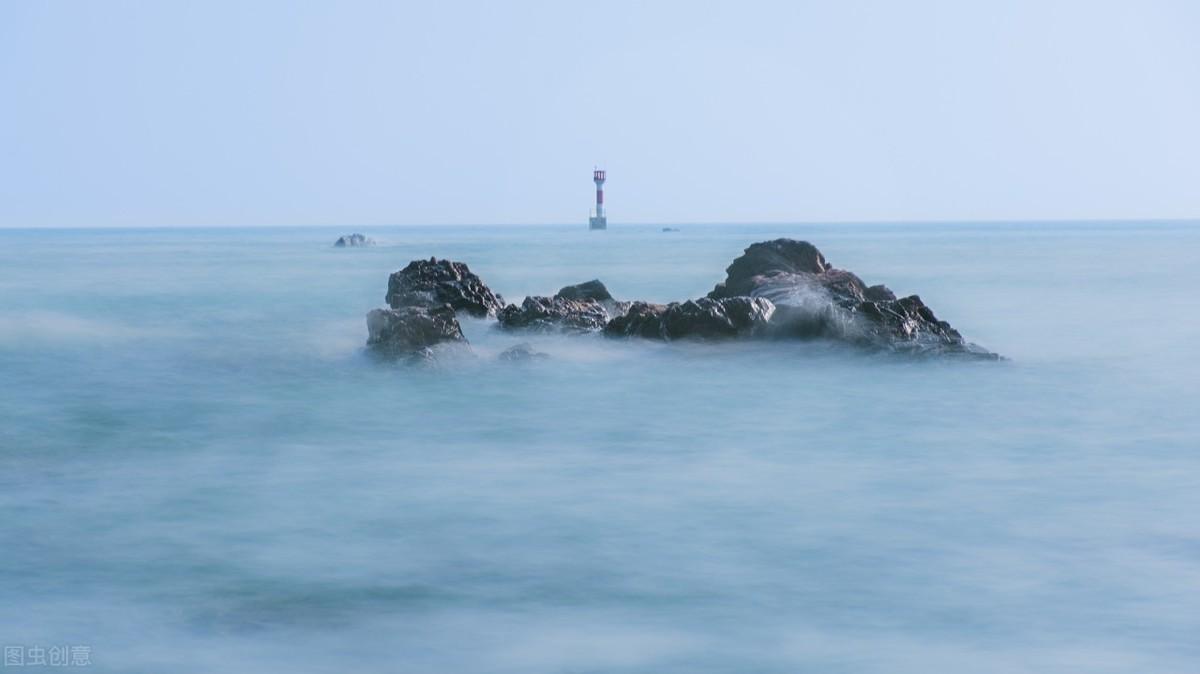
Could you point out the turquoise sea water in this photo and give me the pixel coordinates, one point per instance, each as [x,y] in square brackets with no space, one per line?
[201,471]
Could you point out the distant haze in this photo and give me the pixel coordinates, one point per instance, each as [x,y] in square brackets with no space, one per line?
[374,113]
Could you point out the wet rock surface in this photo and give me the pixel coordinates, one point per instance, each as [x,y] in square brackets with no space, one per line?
[595,290]
[410,331]
[588,290]
[556,313]
[433,282]
[704,318]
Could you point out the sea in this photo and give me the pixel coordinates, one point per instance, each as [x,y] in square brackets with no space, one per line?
[202,470]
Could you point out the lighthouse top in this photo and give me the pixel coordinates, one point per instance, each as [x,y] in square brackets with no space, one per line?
[598,175]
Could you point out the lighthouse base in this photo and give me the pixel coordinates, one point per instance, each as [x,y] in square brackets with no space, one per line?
[600,222]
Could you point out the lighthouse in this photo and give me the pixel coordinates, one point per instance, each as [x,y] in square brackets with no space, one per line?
[598,221]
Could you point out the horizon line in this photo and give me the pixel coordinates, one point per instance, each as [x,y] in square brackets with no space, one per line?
[914,221]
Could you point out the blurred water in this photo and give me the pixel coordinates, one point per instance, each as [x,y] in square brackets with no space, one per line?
[201,471]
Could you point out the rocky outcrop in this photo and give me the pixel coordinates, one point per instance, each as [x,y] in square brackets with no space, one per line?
[814,299]
[410,331]
[704,318]
[433,282]
[423,300]
[781,289]
[353,241]
[548,314]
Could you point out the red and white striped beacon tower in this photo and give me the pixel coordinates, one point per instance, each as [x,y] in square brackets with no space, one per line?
[598,221]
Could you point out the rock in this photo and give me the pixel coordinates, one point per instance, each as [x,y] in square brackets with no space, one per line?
[879,294]
[554,314]
[410,331]
[814,299]
[595,290]
[588,290]
[353,241]
[670,229]
[778,256]
[704,318]
[643,319]
[433,282]
[522,352]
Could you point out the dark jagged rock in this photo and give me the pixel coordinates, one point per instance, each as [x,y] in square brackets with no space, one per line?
[554,314]
[777,289]
[354,241]
[814,299]
[595,290]
[879,293]
[433,282]
[521,353]
[588,290]
[704,318]
[778,256]
[410,331]
[643,319]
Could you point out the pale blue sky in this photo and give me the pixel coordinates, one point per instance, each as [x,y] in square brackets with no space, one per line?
[371,113]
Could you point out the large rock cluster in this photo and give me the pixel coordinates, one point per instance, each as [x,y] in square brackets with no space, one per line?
[781,289]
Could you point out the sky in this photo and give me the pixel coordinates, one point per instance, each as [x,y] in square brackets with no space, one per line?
[379,113]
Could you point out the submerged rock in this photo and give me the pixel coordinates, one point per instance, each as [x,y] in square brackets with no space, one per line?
[354,241]
[704,318]
[410,331]
[433,282]
[814,299]
[522,352]
[554,314]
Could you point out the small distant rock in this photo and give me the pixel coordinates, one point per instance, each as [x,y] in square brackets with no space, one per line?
[522,352]
[670,229]
[353,241]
